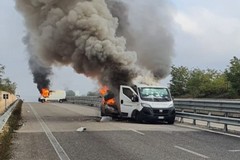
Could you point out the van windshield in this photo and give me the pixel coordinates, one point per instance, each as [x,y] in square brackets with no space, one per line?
[154,94]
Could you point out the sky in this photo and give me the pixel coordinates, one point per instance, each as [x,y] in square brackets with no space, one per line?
[206,35]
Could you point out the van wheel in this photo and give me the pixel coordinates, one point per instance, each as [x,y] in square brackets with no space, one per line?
[171,120]
[102,114]
[136,116]
[60,101]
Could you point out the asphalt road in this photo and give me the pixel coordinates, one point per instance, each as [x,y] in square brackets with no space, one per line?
[50,133]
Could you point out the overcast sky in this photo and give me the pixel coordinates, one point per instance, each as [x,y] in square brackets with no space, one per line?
[206,34]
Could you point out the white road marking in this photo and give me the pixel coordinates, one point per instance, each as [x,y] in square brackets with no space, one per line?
[130,129]
[137,131]
[192,152]
[58,148]
[234,150]
[207,130]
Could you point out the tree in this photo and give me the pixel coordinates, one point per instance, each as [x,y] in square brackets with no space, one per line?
[5,83]
[233,74]
[1,76]
[206,83]
[180,77]
[198,83]
[8,86]
[70,93]
[1,72]
[93,93]
[195,82]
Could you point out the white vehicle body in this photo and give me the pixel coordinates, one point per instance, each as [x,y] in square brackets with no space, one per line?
[147,102]
[58,95]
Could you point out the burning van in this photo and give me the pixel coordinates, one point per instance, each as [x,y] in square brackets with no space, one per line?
[49,95]
[109,105]
[141,103]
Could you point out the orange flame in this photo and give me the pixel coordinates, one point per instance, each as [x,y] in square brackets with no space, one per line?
[111,102]
[104,91]
[45,92]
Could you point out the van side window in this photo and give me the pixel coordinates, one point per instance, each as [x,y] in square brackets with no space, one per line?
[128,92]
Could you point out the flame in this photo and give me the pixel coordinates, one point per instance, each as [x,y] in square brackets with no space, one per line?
[111,102]
[104,91]
[45,92]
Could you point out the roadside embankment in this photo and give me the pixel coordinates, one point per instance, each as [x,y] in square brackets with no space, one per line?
[9,101]
[6,134]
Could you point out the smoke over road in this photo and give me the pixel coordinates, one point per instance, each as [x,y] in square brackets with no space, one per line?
[91,36]
[146,25]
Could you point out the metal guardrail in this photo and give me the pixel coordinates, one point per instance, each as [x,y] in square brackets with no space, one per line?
[7,114]
[85,100]
[217,111]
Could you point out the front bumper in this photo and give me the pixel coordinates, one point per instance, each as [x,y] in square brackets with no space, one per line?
[157,114]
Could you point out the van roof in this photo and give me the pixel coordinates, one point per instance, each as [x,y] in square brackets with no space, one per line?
[151,86]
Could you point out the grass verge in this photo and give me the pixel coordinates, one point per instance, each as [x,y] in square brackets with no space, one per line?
[6,136]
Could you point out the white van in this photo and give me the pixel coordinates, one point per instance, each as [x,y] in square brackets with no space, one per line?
[58,95]
[145,103]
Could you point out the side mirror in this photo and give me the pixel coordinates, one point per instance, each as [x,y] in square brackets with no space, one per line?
[172,98]
[135,98]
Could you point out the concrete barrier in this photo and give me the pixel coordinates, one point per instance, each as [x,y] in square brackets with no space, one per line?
[10,100]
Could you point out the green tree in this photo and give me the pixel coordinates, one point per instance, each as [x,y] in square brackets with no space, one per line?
[8,86]
[206,83]
[5,83]
[214,83]
[1,72]
[70,93]
[180,76]
[194,83]
[93,93]
[1,76]
[233,75]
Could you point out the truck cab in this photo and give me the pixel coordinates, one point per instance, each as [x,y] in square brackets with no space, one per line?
[148,103]
[143,103]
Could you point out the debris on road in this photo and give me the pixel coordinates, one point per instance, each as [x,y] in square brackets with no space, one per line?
[106,119]
[81,129]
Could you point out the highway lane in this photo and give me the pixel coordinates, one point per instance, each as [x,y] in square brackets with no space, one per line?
[49,132]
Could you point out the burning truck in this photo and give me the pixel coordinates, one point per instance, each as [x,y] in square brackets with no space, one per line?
[139,102]
[50,95]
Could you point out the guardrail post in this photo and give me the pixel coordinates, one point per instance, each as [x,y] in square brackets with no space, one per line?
[225,125]
[181,119]
[194,120]
[208,123]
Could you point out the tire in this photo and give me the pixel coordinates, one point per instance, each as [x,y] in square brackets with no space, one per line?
[171,120]
[102,110]
[43,100]
[136,116]
[60,101]
[102,114]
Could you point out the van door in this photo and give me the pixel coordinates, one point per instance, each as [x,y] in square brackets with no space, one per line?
[126,104]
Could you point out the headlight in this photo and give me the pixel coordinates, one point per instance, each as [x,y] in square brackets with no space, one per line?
[171,105]
[146,105]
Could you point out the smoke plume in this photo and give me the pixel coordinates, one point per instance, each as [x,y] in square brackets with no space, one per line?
[146,25]
[40,71]
[91,36]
